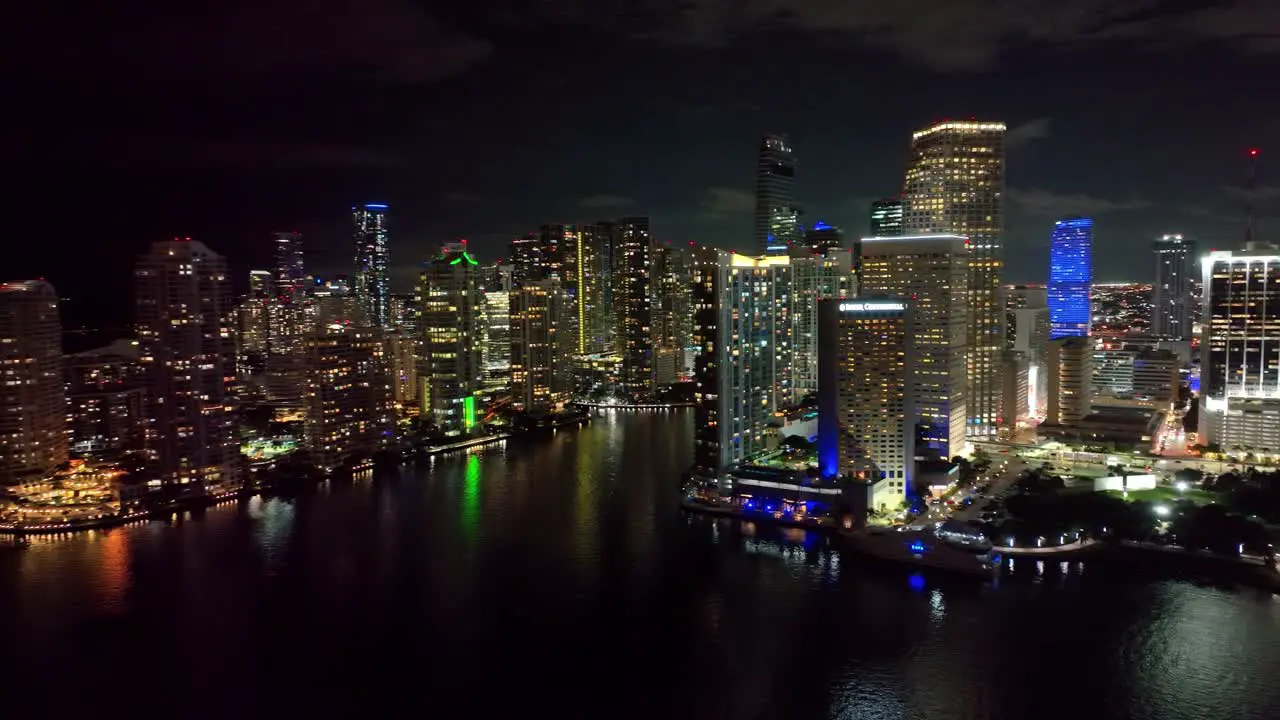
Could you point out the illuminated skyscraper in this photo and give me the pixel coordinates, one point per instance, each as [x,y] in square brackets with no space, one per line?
[348,398]
[930,270]
[526,260]
[371,281]
[742,371]
[1171,307]
[814,277]
[1240,349]
[1070,368]
[1070,278]
[497,343]
[571,255]
[540,375]
[673,317]
[33,403]
[187,353]
[453,333]
[866,421]
[255,318]
[633,304]
[955,184]
[777,221]
[105,400]
[886,218]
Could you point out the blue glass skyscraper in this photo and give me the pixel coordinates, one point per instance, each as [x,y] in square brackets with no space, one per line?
[1070,277]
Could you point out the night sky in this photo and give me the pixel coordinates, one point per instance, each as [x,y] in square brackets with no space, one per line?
[225,121]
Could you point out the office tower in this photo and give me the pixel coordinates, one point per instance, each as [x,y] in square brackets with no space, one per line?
[539,374]
[290,276]
[33,405]
[932,271]
[1070,278]
[777,221]
[822,236]
[1015,389]
[633,305]
[1240,349]
[453,328]
[255,318]
[371,281]
[866,420]
[347,405]
[1171,307]
[955,184]
[1132,377]
[742,370]
[672,312]
[187,353]
[571,255]
[334,302]
[526,261]
[814,277]
[496,357]
[886,218]
[105,400]
[404,312]
[1070,368]
[1030,337]
[1021,297]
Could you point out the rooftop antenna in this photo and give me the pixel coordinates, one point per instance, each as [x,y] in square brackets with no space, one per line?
[1250,227]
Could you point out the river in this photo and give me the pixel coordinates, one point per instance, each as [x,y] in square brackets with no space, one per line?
[558,578]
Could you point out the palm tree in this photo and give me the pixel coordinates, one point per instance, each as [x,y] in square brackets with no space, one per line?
[1123,472]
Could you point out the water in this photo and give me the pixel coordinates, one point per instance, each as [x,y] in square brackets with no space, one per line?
[558,579]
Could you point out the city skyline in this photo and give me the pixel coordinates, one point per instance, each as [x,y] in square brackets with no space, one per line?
[259,139]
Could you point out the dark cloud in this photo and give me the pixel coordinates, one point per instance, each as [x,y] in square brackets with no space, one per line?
[461,198]
[605,200]
[1054,204]
[1032,130]
[723,203]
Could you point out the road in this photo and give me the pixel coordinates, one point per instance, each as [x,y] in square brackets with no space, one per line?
[1062,459]
[1005,469]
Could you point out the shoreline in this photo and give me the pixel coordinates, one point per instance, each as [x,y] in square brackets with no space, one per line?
[273,488]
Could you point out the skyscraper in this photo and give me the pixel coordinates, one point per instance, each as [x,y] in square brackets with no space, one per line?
[347,402]
[742,371]
[539,374]
[633,304]
[570,254]
[814,277]
[1070,278]
[33,404]
[931,271]
[1171,307]
[526,260]
[187,353]
[1070,368]
[1240,349]
[672,313]
[823,236]
[105,400]
[371,281]
[497,346]
[777,220]
[866,421]
[453,330]
[955,184]
[255,318]
[886,218]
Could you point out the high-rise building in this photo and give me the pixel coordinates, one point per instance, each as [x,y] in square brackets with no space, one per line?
[932,271]
[526,260]
[1171,307]
[255,318]
[866,422]
[672,310]
[1070,278]
[777,220]
[1070,368]
[186,348]
[347,404]
[955,184]
[1015,389]
[371,281]
[1240,349]
[453,330]
[105,400]
[886,218]
[572,255]
[822,237]
[33,402]
[1021,297]
[496,357]
[540,375]
[742,371]
[633,305]
[400,348]
[814,277]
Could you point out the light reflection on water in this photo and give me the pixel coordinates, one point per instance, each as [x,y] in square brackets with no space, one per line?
[517,576]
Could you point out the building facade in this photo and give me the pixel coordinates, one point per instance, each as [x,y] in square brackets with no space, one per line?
[453,332]
[540,374]
[105,400]
[814,277]
[1070,278]
[1172,308]
[33,403]
[886,218]
[866,420]
[371,281]
[777,220]
[1070,368]
[187,352]
[932,271]
[634,336]
[955,184]
[347,405]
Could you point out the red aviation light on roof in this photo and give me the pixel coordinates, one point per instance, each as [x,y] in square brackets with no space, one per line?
[1253,152]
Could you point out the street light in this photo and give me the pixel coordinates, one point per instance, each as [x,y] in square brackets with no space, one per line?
[1162,510]
[1181,486]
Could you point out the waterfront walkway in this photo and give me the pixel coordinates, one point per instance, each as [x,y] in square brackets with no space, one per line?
[642,406]
[1077,546]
